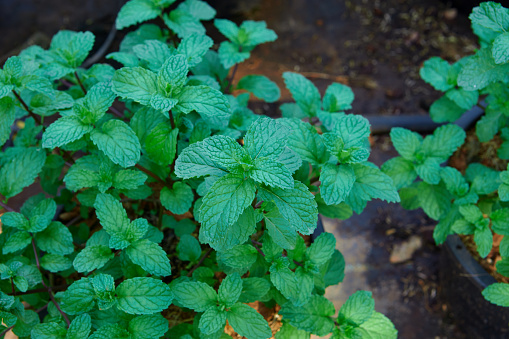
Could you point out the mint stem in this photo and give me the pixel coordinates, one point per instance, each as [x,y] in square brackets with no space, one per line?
[25,106]
[200,262]
[80,83]
[6,207]
[150,173]
[48,288]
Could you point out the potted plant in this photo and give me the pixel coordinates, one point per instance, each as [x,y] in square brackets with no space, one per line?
[188,210]
[470,199]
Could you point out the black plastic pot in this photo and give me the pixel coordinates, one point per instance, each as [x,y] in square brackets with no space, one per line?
[462,280]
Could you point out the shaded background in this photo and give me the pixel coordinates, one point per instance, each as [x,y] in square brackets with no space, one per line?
[377,48]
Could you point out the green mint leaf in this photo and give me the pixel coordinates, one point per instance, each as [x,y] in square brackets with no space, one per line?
[48,331]
[228,28]
[197,296]
[497,294]
[188,248]
[128,179]
[235,234]
[248,323]
[179,199]
[435,72]
[239,258]
[483,238]
[153,53]
[135,83]
[271,173]
[462,98]
[150,256]
[110,331]
[284,279]
[378,326]
[471,213]
[434,200]
[500,221]
[80,327]
[266,138]
[55,239]
[55,262]
[261,86]
[21,283]
[290,159]
[338,97]
[492,16]
[488,126]
[194,46]
[230,54]
[195,161]
[79,297]
[429,171]
[199,9]
[401,171]
[7,117]
[173,75]
[406,142]
[334,269]
[201,131]
[71,48]
[17,242]
[288,331]
[312,317]
[21,171]
[306,142]
[280,230]
[253,289]
[148,326]
[92,257]
[341,211]
[208,102]
[143,296]
[370,183]
[357,309]
[96,102]
[26,323]
[225,152]
[481,70]
[253,33]
[224,203]
[161,144]
[444,142]
[15,219]
[500,47]
[336,183]
[119,142]
[230,290]
[297,205]
[304,93]
[454,181]
[321,249]
[212,321]
[483,180]
[183,23]
[445,110]
[136,11]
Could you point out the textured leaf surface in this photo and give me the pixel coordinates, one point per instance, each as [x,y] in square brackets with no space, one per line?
[143,296]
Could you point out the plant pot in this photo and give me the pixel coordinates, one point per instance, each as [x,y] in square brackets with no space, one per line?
[462,281]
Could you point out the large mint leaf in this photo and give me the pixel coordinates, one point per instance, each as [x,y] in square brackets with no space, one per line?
[208,102]
[280,230]
[188,248]
[173,75]
[230,289]
[135,83]
[229,54]
[71,48]
[491,15]
[271,173]
[239,258]
[266,138]
[118,141]
[297,205]
[79,297]
[148,326]
[225,151]
[406,142]
[313,317]
[378,326]
[401,171]
[481,70]
[434,200]
[234,235]
[304,93]
[80,327]
[434,72]
[161,144]
[183,23]
[321,249]
[55,239]
[224,203]
[21,171]
[497,294]
[194,47]
[357,309]
[92,257]
[136,11]
[444,142]
[150,256]
[445,110]
[248,323]
[55,262]
[338,97]
[336,183]
[306,142]
[143,296]
[212,321]
[7,116]
[178,199]
[370,183]
[261,86]
[194,161]
[197,296]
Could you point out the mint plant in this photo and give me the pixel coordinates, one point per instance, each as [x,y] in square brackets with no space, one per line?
[185,206]
[474,201]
